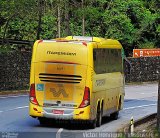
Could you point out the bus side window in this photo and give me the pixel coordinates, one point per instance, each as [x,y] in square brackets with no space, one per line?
[94,55]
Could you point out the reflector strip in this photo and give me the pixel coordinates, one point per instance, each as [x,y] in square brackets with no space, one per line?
[40,41]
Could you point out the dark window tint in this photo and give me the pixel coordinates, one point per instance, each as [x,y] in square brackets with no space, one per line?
[107,60]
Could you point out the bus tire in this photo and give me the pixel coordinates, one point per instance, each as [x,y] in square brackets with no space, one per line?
[42,121]
[93,124]
[114,116]
[99,117]
[119,104]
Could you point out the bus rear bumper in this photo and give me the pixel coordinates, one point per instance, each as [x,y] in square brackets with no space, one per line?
[67,114]
[60,113]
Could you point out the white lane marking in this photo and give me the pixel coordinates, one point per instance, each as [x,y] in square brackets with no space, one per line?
[21,107]
[134,107]
[149,93]
[13,96]
[58,134]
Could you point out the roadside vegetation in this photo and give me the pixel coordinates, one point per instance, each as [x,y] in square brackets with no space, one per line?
[134,23]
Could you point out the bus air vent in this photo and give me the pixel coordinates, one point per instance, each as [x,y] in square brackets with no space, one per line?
[60,78]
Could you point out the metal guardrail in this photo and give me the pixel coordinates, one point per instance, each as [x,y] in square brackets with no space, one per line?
[13,41]
[126,128]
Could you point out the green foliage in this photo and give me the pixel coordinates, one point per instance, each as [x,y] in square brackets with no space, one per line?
[22,29]
[48,27]
[119,26]
[147,45]
[134,23]
[6,48]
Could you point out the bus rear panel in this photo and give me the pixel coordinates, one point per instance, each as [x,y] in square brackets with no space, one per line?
[59,81]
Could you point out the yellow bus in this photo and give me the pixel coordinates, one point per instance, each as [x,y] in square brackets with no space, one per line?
[76,78]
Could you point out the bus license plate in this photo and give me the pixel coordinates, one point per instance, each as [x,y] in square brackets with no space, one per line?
[58,112]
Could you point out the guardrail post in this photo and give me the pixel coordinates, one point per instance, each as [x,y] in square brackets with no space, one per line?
[132,126]
[158,107]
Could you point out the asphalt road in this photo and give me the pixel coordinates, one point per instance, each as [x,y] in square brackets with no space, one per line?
[140,100]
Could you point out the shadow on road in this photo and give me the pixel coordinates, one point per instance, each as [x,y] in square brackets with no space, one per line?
[72,125]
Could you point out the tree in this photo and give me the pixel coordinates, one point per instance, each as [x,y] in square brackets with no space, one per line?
[134,23]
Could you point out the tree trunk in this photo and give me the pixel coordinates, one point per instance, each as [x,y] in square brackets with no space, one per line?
[67,29]
[59,20]
[6,26]
[83,19]
[40,8]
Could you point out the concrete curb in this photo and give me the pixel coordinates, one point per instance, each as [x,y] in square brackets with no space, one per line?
[14,93]
[126,128]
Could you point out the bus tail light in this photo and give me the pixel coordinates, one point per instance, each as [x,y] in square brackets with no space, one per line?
[86,98]
[32,95]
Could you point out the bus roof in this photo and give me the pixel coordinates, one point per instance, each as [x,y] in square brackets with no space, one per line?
[101,42]
[97,42]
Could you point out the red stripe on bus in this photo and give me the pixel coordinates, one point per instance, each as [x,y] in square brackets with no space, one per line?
[84,43]
[40,41]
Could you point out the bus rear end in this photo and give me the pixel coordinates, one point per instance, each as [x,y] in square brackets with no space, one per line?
[58,81]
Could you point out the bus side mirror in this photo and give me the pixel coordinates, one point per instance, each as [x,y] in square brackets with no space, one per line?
[130,67]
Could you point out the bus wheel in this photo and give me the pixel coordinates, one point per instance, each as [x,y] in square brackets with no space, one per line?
[99,117]
[114,116]
[119,106]
[93,124]
[42,121]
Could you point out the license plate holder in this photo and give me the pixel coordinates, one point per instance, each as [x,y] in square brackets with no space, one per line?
[58,112]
